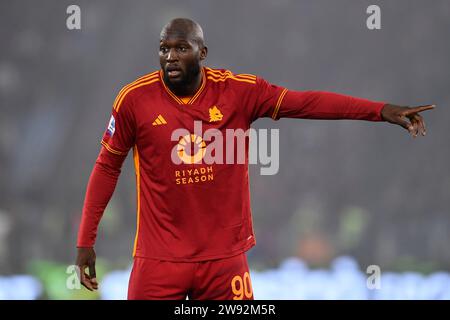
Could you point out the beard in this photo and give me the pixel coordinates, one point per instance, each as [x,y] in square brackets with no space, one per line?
[179,87]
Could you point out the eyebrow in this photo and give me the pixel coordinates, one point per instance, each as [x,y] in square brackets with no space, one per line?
[181,41]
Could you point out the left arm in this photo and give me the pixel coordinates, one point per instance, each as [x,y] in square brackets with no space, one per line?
[273,101]
[400,115]
[327,105]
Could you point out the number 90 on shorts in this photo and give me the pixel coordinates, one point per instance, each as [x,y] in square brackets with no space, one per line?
[241,287]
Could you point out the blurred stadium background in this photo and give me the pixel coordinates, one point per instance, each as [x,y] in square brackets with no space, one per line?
[348,194]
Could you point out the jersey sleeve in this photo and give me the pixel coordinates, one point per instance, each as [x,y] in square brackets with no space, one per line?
[274,101]
[100,188]
[327,105]
[119,136]
[266,99]
[116,141]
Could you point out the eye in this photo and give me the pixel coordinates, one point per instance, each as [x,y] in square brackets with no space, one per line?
[163,49]
[182,49]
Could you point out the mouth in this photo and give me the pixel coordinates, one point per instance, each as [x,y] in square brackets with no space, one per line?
[173,71]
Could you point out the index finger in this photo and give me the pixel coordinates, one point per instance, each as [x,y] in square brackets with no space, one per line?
[421,108]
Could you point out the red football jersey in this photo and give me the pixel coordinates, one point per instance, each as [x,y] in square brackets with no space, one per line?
[189,210]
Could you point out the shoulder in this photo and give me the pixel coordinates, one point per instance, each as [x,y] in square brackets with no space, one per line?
[134,88]
[226,76]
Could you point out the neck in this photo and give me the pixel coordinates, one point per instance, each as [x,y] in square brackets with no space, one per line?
[188,88]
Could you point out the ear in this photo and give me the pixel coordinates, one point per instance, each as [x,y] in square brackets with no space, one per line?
[203,53]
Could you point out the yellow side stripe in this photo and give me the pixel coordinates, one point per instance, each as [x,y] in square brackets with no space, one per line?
[112,150]
[277,106]
[138,196]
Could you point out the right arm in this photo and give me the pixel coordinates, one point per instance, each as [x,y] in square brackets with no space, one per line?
[100,188]
[102,183]
[117,140]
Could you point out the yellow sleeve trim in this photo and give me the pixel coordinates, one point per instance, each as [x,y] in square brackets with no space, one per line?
[135,86]
[138,193]
[277,106]
[218,76]
[112,150]
[147,79]
[230,77]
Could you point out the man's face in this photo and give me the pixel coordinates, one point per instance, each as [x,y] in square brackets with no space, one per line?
[180,59]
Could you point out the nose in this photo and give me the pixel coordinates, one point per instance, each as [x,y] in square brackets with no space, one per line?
[172,55]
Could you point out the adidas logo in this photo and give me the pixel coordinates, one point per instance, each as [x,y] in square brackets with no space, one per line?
[159,121]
